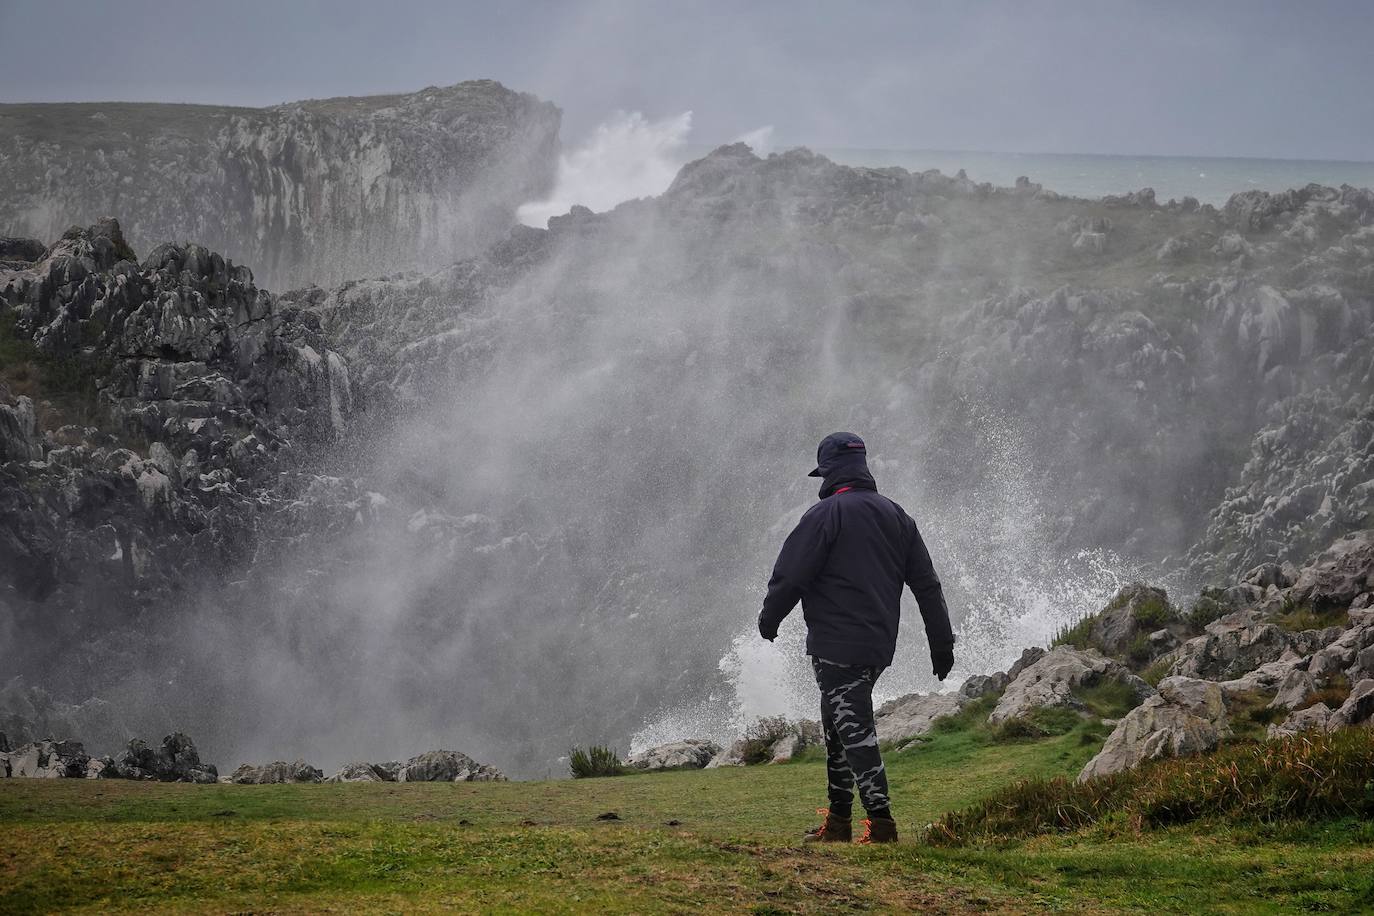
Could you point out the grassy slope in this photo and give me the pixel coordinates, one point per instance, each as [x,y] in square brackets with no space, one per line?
[104,846]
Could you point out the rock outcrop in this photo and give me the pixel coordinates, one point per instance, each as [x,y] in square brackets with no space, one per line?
[1052,681]
[175,760]
[446,766]
[1187,716]
[279,771]
[359,771]
[913,715]
[313,191]
[689,754]
[47,759]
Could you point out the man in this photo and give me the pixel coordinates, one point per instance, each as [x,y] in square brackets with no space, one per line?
[846,561]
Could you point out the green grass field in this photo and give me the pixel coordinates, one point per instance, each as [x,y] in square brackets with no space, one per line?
[715,841]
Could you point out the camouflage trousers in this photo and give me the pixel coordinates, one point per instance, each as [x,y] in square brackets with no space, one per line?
[851,741]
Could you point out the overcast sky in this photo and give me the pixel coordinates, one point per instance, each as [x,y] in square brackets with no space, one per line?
[1239,78]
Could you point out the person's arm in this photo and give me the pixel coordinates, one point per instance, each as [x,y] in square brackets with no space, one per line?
[802,557]
[930,596]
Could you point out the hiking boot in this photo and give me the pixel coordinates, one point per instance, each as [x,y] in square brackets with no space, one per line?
[834,829]
[879,830]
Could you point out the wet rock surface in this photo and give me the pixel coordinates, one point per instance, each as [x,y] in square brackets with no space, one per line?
[1053,679]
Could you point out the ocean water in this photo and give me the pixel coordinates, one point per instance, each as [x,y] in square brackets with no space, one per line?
[1210,180]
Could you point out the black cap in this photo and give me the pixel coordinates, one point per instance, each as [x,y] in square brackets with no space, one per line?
[832,447]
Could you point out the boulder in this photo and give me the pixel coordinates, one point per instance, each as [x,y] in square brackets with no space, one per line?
[278,771]
[1357,709]
[689,754]
[447,766]
[733,756]
[786,748]
[46,759]
[1230,647]
[981,685]
[1344,652]
[1340,574]
[1294,690]
[912,715]
[1136,608]
[175,761]
[359,771]
[1052,680]
[1029,656]
[1312,719]
[1187,716]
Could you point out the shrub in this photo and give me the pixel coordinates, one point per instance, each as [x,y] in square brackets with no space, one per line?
[1302,777]
[596,760]
[1153,612]
[1139,651]
[760,737]
[1204,611]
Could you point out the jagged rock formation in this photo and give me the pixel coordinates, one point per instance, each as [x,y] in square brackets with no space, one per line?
[312,191]
[177,399]
[360,771]
[279,771]
[524,449]
[447,766]
[176,760]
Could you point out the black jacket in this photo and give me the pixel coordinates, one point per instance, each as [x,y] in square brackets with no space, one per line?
[846,561]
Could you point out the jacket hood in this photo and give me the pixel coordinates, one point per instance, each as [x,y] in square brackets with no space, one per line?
[848,471]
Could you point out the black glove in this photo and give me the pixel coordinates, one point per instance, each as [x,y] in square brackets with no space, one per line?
[766,633]
[943,660]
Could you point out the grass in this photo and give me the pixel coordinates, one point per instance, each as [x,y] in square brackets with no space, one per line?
[63,389]
[721,840]
[1308,777]
[1295,617]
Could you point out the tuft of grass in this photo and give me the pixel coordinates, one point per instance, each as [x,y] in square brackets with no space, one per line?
[1045,722]
[1295,617]
[1109,699]
[1153,612]
[593,761]
[1156,673]
[1078,635]
[1299,778]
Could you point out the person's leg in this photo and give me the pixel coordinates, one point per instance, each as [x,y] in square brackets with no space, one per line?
[840,781]
[847,695]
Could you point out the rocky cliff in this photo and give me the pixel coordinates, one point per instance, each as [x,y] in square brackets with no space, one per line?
[570,454]
[315,191]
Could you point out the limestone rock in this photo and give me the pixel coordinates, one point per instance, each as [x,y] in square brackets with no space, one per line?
[46,759]
[1230,647]
[359,771]
[689,754]
[912,715]
[447,766]
[1188,716]
[786,748]
[1357,709]
[279,771]
[981,685]
[1294,690]
[1313,718]
[1052,679]
[176,760]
